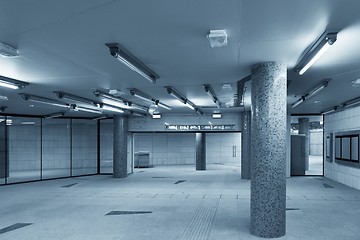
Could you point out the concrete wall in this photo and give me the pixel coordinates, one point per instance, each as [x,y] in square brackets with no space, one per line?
[316,143]
[342,121]
[179,148]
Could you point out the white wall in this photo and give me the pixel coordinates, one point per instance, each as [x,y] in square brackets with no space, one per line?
[316,143]
[179,148]
[220,147]
[147,124]
[346,120]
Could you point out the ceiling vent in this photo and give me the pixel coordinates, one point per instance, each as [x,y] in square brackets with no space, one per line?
[217,38]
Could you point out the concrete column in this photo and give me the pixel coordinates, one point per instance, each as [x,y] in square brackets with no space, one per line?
[120,147]
[268,150]
[245,144]
[304,128]
[200,151]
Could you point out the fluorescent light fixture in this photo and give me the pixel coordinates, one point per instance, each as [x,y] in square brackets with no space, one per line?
[112,100]
[139,107]
[208,89]
[352,102]
[162,105]
[329,111]
[12,83]
[298,102]
[311,93]
[217,38]
[137,114]
[76,108]
[111,108]
[156,116]
[137,93]
[183,99]
[189,105]
[55,115]
[216,115]
[8,51]
[115,103]
[74,98]
[125,57]
[49,101]
[320,46]
[198,111]
[28,123]
[175,94]
[100,118]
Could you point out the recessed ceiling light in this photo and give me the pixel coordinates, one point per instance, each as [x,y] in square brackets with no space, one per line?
[226,86]
[115,92]
[217,38]
[356,83]
[317,102]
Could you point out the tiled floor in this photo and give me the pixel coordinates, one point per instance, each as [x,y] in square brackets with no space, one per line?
[212,204]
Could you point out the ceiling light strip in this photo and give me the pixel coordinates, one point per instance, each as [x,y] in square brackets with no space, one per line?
[125,57]
[85,109]
[321,45]
[12,83]
[209,90]
[73,98]
[183,99]
[311,93]
[112,108]
[55,115]
[137,93]
[48,101]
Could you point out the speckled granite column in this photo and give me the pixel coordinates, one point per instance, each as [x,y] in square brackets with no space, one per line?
[304,128]
[268,150]
[200,151]
[245,144]
[120,147]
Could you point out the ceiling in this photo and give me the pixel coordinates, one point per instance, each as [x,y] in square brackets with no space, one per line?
[62,48]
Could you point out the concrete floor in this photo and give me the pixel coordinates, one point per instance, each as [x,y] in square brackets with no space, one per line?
[212,204]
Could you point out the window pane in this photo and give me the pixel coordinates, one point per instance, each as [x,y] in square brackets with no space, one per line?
[355,148]
[24,144]
[345,148]
[338,147]
[56,148]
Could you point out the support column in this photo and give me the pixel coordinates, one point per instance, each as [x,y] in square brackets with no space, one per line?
[120,147]
[304,128]
[245,144]
[268,150]
[200,151]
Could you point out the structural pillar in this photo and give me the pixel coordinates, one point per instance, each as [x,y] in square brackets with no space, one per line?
[200,151]
[268,150]
[304,128]
[120,147]
[245,144]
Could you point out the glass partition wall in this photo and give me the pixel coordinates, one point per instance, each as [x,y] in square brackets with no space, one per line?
[34,149]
